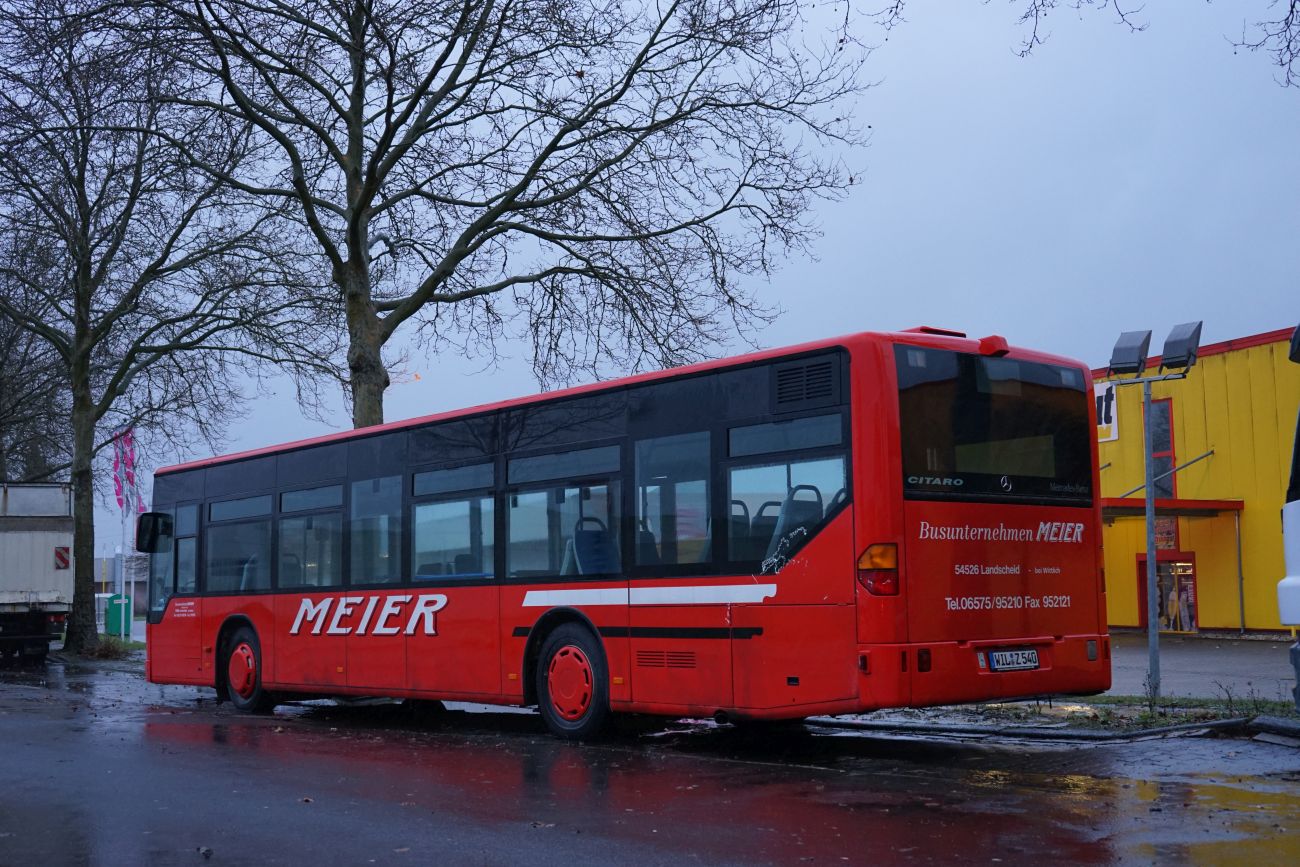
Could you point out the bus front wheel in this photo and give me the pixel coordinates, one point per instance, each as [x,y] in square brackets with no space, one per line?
[573,683]
[244,672]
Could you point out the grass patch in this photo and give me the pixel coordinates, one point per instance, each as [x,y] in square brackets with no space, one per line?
[112,647]
[1236,706]
[1131,712]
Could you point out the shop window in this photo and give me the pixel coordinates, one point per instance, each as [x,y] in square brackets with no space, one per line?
[1162,435]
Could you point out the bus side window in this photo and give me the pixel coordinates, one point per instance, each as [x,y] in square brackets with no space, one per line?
[453,539]
[568,526]
[787,503]
[187,528]
[777,501]
[186,577]
[311,550]
[238,557]
[672,500]
[161,574]
[566,530]
[376,531]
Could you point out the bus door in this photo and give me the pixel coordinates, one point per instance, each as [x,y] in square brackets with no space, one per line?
[175,642]
[376,641]
[175,632]
[453,639]
[311,624]
[680,628]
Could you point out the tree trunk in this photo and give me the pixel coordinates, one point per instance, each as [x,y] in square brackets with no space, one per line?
[83,636]
[368,376]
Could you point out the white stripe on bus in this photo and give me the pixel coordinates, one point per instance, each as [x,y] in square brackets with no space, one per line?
[699,594]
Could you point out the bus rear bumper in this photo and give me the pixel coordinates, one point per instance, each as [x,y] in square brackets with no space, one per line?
[925,674]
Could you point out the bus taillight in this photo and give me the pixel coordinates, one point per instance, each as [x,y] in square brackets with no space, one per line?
[878,569]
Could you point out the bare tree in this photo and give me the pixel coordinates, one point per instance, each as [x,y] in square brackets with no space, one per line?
[150,281]
[34,441]
[1277,36]
[1275,30]
[593,174]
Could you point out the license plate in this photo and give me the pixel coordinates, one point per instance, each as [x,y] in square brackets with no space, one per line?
[1012,660]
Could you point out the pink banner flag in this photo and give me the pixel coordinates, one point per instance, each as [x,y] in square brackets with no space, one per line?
[117,472]
[129,469]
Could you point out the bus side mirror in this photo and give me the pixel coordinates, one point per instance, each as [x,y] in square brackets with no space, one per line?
[150,531]
[1295,345]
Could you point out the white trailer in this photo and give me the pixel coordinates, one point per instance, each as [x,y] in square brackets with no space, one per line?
[36,568]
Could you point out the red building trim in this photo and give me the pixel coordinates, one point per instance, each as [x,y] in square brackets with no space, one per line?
[1124,507]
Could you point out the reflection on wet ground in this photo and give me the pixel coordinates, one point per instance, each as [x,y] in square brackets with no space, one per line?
[467,784]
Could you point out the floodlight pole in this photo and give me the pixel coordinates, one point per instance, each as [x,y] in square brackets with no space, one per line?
[1153,599]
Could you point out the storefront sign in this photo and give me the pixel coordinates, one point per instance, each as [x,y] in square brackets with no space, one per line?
[1107,412]
[1166,534]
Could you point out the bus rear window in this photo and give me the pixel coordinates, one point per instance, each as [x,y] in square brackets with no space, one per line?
[975,428]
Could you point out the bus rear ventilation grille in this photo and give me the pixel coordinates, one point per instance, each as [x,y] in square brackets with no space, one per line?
[810,384]
[665,659]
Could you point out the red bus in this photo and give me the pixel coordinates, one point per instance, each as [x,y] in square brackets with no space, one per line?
[883,520]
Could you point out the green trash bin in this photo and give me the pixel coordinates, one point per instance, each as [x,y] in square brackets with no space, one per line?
[117,619]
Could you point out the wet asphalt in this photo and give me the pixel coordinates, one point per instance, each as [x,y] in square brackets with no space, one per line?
[100,768]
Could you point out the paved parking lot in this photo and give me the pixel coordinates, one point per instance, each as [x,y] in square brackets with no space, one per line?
[103,768]
[1204,667]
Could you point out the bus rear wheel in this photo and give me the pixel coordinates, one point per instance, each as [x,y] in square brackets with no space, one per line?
[573,683]
[244,673]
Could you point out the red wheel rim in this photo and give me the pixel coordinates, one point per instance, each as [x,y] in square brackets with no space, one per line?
[570,682]
[242,671]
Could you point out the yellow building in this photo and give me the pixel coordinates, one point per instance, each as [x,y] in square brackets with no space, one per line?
[1227,431]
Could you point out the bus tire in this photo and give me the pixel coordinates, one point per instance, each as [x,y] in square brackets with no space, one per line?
[573,683]
[243,673]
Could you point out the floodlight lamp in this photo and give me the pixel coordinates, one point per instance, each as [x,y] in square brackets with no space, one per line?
[1295,345]
[1130,353]
[1181,346]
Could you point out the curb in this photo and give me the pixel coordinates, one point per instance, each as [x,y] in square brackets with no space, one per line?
[1276,725]
[1233,725]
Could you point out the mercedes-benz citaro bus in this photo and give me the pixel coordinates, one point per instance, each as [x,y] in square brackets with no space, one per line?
[882,520]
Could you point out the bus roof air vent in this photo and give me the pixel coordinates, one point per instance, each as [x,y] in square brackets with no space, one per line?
[805,384]
[930,329]
[994,345]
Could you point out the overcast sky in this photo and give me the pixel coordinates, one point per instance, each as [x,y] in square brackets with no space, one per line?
[1112,181]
